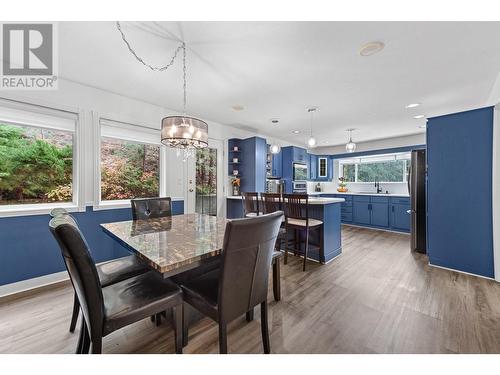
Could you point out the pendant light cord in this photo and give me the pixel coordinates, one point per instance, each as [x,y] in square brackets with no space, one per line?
[182,47]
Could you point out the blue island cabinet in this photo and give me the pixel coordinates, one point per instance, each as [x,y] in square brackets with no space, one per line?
[328,212]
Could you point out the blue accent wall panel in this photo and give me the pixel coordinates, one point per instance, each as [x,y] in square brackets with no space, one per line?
[459,188]
[28,249]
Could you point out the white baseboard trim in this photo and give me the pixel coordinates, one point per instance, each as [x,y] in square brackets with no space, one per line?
[37,282]
[465,273]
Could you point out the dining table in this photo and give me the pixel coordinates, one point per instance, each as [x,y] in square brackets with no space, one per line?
[175,244]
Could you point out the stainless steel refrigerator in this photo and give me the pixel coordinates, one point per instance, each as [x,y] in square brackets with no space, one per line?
[416,189]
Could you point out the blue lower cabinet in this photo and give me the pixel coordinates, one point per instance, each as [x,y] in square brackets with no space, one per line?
[400,218]
[361,212]
[379,214]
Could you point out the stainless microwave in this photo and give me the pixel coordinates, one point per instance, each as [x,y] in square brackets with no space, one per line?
[299,172]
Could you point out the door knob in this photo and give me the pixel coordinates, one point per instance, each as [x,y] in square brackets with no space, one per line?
[191,190]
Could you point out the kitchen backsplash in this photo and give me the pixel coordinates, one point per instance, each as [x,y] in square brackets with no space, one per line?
[331,187]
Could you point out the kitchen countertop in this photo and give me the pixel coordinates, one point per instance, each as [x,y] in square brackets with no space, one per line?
[319,200]
[356,193]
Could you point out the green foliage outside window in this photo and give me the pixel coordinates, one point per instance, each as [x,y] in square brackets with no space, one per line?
[36,165]
[390,171]
[129,169]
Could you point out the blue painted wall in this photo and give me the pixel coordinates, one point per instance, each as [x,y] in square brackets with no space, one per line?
[28,249]
[459,191]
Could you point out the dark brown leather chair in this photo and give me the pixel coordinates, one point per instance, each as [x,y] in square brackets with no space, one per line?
[272,202]
[297,219]
[250,204]
[151,208]
[109,273]
[241,282]
[107,309]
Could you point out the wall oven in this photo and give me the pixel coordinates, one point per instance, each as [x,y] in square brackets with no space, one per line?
[299,172]
[299,187]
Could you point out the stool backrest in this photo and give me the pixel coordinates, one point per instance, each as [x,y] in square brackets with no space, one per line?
[250,203]
[271,202]
[296,206]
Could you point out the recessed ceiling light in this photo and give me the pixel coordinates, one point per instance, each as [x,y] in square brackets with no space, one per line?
[371,48]
[296,132]
[412,105]
[275,120]
[418,117]
[238,107]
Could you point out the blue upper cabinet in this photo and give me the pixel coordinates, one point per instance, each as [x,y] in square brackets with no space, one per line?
[276,169]
[321,168]
[251,166]
[459,214]
[299,155]
[313,167]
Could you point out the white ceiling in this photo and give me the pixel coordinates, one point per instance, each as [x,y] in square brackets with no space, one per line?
[278,69]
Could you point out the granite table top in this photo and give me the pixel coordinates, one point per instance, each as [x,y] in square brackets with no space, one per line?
[174,244]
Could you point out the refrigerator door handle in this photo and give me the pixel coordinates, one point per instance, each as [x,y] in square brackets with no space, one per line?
[409,180]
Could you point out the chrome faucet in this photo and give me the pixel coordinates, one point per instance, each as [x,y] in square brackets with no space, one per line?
[377,185]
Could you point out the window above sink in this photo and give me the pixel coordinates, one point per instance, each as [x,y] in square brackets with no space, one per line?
[383,168]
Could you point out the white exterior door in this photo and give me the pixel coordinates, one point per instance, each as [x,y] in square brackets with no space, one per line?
[198,196]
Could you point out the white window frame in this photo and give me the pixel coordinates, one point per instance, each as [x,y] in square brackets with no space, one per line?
[358,160]
[319,167]
[97,122]
[19,113]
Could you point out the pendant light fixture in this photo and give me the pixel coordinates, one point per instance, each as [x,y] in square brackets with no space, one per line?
[185,133]
[311,142]
[350,146]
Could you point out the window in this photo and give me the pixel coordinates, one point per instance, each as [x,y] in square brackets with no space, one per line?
[382,168]
[36,156]
[322,167]
[129,162]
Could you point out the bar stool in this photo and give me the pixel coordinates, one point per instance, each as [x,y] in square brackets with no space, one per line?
[251,204]
[297,219]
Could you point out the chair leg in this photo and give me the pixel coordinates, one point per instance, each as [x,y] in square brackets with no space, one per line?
[97,346]
[74,317]
[222,338]
[264,327]
[305,250]
[86,339]
[321,250]
[178,329]
[276,280]
[286,246]
[185,326]
[79,347]
[249,315]
[158,319]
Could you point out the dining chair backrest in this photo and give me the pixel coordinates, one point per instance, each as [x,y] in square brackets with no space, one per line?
[296,206]
[246,259]
[271,202]
[250,203]
[151,208]
[82,270]
[58,211]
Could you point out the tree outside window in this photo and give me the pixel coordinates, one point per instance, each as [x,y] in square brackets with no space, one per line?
[129,169]
[36,165]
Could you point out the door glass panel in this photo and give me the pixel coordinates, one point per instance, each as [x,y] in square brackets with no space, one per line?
[206,181]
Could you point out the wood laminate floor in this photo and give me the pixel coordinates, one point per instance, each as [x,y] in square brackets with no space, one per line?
[377,297]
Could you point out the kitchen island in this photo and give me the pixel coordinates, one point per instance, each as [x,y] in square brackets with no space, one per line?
[328,210]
